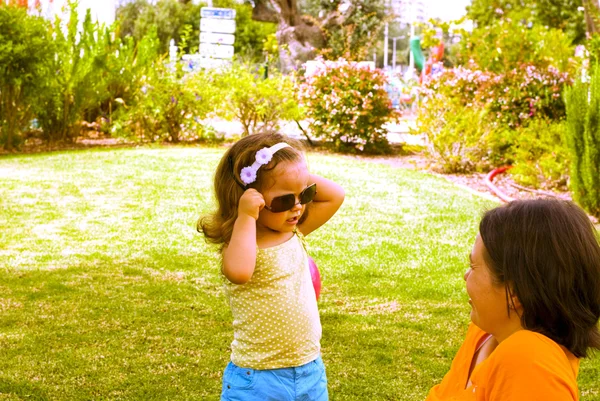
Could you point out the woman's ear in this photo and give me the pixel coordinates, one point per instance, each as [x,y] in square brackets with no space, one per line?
[513,301]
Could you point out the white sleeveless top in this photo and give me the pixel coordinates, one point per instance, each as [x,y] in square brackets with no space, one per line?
[275,317]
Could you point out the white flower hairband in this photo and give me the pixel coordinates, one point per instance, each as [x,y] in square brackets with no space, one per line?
[263,156]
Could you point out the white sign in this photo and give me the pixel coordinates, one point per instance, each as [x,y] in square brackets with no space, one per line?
[206,62]
[220,13]
[221,38]
[217,25]
[216,51]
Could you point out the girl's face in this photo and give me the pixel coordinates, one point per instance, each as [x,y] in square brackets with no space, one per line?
[287,178]
[487,298]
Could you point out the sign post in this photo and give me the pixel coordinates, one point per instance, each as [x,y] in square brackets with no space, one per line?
[217,29]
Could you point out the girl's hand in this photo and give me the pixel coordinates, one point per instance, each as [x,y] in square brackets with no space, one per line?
[251,203]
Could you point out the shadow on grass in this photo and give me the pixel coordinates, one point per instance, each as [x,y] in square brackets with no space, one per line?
[22,390]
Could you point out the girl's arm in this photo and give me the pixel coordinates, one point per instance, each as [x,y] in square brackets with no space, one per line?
[239,256]
[328,200]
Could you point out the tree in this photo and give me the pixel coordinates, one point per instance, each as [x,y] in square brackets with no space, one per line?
[583,140]
[250,35]
[341,27]
[180,20]
[559,14]
[25,48]
[169,17]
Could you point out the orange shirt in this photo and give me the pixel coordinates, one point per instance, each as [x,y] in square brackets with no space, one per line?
[527,366]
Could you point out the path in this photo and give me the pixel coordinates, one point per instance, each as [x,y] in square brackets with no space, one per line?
[397,132]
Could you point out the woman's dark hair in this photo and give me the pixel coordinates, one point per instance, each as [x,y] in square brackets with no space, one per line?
[547,254]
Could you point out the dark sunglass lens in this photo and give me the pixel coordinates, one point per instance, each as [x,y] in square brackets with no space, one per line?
[282,203]
[308,194]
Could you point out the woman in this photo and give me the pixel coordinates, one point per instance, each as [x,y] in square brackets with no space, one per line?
[534,288]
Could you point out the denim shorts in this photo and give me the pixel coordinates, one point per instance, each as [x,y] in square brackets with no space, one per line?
[303,383]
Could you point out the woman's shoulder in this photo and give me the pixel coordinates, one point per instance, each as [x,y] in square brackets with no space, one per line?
[527,366]
[529,342]
[526,350]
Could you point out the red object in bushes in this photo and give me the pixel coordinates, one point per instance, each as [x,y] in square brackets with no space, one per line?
[315,275]
[489,182]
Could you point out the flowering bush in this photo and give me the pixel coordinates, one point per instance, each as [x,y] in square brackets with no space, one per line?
[524,93]
[512,98]
[476,119]
[348,105]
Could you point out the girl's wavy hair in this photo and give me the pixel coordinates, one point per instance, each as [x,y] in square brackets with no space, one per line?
[547,254]
[217,227]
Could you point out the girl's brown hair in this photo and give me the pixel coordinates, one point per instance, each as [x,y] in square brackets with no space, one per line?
[217,227]
[547,254]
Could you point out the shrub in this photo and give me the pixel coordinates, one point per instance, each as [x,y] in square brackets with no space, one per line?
[167,107]
[257,103]
[348,106]
[512,98]
[94,73]
[539,154]
[458,137]
[525,92]
[583,140]
[74,88]
[477,120]
[25,48]
[121,66]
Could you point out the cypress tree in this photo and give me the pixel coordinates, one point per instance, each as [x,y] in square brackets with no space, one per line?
[583,139]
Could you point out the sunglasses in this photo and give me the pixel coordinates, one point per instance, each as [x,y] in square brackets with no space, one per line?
[286,202]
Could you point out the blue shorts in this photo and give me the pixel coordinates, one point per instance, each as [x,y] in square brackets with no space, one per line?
[303,383]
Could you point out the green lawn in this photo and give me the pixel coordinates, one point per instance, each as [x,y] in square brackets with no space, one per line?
[107,292]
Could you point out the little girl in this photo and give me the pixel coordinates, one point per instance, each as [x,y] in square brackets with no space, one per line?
[263,189]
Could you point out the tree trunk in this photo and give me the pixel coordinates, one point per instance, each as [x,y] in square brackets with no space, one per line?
[592,16]
[298,38]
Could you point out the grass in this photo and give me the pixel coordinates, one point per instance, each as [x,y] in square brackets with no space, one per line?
[108,293]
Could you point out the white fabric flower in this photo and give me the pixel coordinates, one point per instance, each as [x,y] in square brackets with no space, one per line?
[264,156]
[248,175]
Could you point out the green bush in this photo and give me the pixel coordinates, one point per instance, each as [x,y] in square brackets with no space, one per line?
[168,107]
[259,104]
[121,66]
[539,155]
[583,140]
[25,50]
[458,137]
[74,88]
[95,74]
[348,106]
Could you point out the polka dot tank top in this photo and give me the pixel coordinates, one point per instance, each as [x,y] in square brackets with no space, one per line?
[275,317]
